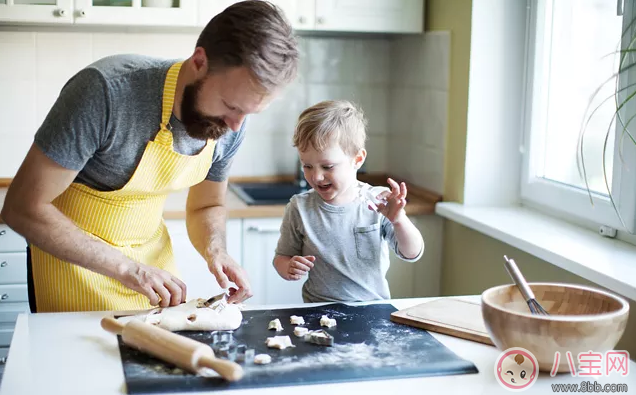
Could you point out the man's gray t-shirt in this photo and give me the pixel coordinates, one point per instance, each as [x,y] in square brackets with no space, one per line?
[351,245]
[108,112]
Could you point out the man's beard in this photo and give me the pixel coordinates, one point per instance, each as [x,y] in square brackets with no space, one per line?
[199,126]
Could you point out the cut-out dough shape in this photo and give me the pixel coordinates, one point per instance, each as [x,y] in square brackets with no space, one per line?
[300,331]
[275,324]
[296,320]
[280,342]
[262,359]
[326,321]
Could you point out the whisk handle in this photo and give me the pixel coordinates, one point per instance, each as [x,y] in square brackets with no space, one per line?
[517,277]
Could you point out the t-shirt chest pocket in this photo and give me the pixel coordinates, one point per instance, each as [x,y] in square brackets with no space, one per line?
[367,241]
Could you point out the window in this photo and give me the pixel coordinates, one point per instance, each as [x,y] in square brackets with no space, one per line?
[572,60]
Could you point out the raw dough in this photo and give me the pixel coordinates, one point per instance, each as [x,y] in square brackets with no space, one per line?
[296,320]
[195,315]
[275,324]
[262,359]
[326,321]
[280,342]
[300,331]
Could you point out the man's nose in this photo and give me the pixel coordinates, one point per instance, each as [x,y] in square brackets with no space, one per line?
[234,122]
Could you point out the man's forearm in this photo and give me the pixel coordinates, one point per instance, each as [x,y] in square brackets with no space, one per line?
[206,229]
[50,230]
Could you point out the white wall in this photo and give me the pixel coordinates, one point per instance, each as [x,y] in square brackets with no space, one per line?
[36,64]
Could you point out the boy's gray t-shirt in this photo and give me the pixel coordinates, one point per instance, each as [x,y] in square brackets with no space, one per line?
[108,112]
[350,244]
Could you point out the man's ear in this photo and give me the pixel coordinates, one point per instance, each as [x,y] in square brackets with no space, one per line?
[199,62]
[360,157]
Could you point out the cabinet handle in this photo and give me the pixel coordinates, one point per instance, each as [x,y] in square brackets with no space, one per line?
[3,264]
[320,20]
[3,361]
[302,20]
[81,13]
[4,297]
[262,230]
[60,12]
[3,232]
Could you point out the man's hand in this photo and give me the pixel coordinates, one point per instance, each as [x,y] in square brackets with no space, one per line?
[161,287]
[225,270]
[298,267]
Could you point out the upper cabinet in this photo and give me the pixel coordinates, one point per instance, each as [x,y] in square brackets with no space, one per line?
[36,11]
[405,16]
[136,12]
[377,16]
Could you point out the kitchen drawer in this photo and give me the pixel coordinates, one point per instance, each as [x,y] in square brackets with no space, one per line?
[13,268]
[10,241]
[6,333]
[9,311]
[13,293]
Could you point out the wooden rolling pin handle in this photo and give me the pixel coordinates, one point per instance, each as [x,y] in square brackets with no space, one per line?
[231,371]
[112,325]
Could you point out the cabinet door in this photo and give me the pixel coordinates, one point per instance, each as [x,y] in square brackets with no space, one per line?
[391,16]
[301,13]
[38,11]
[136,12]
[207,9]
[192,267]
[260,237]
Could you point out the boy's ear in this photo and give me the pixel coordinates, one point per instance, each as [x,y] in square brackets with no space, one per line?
[360,157]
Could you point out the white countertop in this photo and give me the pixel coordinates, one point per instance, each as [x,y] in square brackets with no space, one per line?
[69,353]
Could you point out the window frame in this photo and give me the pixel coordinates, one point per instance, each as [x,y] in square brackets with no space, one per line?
[567,201]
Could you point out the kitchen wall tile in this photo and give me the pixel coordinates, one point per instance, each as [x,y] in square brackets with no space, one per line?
[14,147]
[435,60]
[46,94]
[332,60]
[371,62]
[107,44]
[20,61]
[402,111]
[17,106]
[377,152]
[61,55]
[282,113]
[177,46]
[432,106]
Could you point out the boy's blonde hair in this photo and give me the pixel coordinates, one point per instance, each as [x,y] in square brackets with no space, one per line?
[330,121]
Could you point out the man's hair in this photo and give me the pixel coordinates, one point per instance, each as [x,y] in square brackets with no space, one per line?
[254,34]
[329,122]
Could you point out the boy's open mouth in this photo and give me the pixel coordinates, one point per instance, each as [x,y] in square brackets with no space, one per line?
[324,188]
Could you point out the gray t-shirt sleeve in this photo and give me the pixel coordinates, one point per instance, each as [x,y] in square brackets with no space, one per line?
[76,126]
[224,152]
[290,242]
[388,233]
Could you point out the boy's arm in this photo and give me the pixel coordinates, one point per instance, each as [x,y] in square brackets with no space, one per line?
[289,242]
[409,240]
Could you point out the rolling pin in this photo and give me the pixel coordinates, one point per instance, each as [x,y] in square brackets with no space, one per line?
[184,352]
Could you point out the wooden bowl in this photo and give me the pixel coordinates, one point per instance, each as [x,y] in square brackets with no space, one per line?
[582,319]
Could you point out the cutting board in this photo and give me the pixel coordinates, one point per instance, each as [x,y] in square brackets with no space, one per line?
[449,316]
[368,346]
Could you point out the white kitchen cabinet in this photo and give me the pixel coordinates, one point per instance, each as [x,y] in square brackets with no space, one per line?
[136,12]
[207,9]
[260,237]
[301,13]
[194,270]
[36,11]
[393,16]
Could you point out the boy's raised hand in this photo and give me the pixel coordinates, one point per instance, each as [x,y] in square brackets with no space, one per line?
[299,266]
[393,209]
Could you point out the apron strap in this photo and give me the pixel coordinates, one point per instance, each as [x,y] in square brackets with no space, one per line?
[164,136]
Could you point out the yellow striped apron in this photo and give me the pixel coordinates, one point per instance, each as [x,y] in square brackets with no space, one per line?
[129,219]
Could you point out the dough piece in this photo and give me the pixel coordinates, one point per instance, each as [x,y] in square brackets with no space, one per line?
[320,337]
[280,342]
[262,359]
[275,324]
[195,315]
[326,321]
[296,320]
[300,331]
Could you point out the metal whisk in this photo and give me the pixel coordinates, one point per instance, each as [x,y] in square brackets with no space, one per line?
[520,281]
